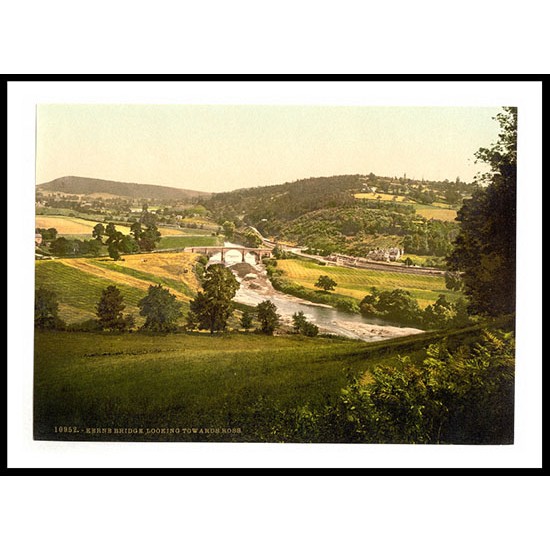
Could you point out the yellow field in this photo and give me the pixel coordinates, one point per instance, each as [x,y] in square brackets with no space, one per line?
[80,226]
[174,266]
[72,226]
[357,282]
[381,196]
[167,231]
[443,214]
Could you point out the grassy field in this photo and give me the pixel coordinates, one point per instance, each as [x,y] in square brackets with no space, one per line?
[187,240]
[241,382]
[79,282]
[178,380]
[79,291]
[356,282]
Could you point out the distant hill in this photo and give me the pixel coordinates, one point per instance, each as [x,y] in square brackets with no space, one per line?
[75,185]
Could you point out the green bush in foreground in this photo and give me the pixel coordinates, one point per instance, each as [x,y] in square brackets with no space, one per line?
[466,397]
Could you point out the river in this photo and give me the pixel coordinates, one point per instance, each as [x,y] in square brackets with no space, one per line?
[256,287]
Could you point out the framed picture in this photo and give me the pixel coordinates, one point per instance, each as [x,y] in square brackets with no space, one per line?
[298,264]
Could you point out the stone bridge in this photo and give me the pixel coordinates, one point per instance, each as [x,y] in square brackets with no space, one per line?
[211,250]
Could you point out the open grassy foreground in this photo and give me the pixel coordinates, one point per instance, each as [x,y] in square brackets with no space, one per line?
[356,283]
[179,381]
[197,387]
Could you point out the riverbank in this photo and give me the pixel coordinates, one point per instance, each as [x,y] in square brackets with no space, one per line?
[256,287]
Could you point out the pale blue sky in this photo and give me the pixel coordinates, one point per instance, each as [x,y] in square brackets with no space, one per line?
[220,148]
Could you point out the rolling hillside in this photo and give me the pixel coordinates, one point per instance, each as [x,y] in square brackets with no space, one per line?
[75,185]
[78,282]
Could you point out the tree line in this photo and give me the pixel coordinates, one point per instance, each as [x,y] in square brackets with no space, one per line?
[209,310]
[144,236]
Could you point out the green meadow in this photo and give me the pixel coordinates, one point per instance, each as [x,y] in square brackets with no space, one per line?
[240,382]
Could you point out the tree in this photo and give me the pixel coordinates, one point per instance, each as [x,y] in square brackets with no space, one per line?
[228,229]
[110,231]
[212,307]
[160,309]
[128,245]
[246,320]
[46,308]
[49,234]
[136,231]
[109,309]
[98,232]
[326,283]
[298,320]
[485,248]
[303,326]
[453,280]
[112,249]
[440,314]
[267,316]
[396,305]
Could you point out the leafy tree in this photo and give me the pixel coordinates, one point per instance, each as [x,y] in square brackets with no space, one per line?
[440,314]
[396,305]
[228,229]
[309,329]
[93,247]
[112,249]
[98,232]
[110,231]
[212,307]
[246,320]
[109,309]
[149,238]
[267,316]
[65,247]
[298,320]
[303,326]
[136,230]
[49,234]
[399,305]
[326,283]
[46,309]
[485,249]
[128,245]
[453,280]
[160,309]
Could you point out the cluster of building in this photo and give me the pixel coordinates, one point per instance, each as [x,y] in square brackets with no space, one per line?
[391,254]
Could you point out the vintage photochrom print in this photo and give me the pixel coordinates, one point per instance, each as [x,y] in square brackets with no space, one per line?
[275,273]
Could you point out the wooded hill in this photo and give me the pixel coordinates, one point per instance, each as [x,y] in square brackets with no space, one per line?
[75,185]
[326,215]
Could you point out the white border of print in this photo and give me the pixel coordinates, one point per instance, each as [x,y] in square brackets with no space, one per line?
[24,452]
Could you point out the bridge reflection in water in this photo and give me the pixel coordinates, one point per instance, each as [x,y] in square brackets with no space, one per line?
[210,251]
